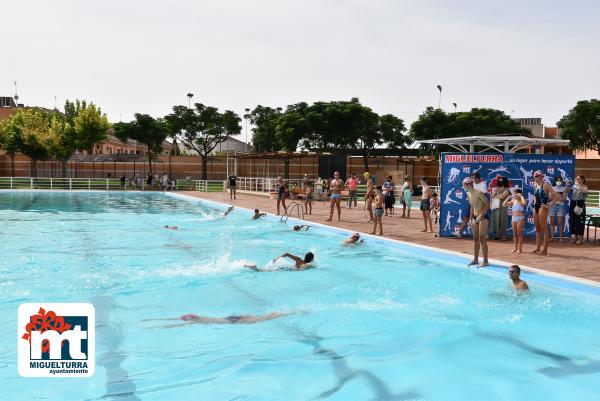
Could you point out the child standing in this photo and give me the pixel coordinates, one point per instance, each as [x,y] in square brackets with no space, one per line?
[378,210]
[435,207]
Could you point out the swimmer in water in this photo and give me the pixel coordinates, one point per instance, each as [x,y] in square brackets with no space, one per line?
[299,228]
[514,272]
[171,227]
[258,214]
[191,318]
[229,210]
[353,240]
[299,263]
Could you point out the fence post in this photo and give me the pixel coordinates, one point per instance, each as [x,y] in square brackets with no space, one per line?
[70,184]
[107,184]
[50,182]
[11,185]
[89,184]
[31,183]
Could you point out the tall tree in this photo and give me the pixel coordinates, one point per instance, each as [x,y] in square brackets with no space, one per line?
[581,126]
[202,128]
[33,126]
[292,127]
[264,135]
[10,139]
[146,130]
[437,124]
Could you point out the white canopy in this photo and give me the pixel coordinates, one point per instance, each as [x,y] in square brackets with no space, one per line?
[499,143]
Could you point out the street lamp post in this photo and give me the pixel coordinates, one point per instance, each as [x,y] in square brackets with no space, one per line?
[454,104]
[190,96]
[246,117]
[440,100]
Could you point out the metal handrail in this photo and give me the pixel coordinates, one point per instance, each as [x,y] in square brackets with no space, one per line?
[299,208]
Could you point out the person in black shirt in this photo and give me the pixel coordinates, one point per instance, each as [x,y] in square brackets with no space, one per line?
[232,186]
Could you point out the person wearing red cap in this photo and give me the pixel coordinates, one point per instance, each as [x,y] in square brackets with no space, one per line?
[544,197]
[479,220]
[335,186]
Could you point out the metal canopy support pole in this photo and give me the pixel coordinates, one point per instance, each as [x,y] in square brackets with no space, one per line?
[471,148]
[506,147]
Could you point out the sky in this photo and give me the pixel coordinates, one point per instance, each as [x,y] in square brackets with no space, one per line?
[527,58]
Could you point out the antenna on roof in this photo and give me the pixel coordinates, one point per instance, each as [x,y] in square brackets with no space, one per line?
[16,97]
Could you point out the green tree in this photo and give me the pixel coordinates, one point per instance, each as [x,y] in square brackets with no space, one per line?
[10,139]
[581,126]
[78,128]
[31,126]
[437,124]
[202,128]
[264,132]
[146,130]
[292,127]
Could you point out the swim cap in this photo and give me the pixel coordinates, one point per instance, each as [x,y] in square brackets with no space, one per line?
[366,174]
[468,181]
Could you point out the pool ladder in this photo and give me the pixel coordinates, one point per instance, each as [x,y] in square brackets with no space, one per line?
[293,206]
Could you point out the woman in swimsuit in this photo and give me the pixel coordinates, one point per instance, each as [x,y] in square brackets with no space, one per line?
[544,197]
[191,318]
[518,204]
[280,187]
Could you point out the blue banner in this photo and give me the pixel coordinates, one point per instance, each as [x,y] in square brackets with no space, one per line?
[518,168]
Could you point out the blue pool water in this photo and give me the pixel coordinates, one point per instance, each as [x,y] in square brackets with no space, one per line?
[382,321]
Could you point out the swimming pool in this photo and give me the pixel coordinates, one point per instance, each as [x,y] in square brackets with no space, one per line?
[381,321]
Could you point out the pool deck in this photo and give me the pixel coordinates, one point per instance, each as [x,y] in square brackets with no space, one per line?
[581,261]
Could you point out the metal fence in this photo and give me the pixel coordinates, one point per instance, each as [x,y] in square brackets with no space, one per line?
[105,184]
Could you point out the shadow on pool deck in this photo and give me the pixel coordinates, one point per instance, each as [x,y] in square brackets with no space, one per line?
[579,261]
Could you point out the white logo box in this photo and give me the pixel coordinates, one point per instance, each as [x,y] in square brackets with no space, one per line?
[57,367]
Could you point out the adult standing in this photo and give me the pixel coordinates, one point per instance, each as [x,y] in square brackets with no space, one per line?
[406,193]
[557,211]
[479,221]
[335,186]
[388,196]
[579,193]
[232,186]
[352,185]
[544,197]
[280,188]
[426,205]
[499,210]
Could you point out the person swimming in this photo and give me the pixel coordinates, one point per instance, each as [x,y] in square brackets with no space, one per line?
[299,228]
[258,214]
[299,263]
[353,240]
[229,210]
[191,318]
[171,227]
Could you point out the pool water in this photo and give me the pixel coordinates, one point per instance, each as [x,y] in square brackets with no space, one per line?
[381,321]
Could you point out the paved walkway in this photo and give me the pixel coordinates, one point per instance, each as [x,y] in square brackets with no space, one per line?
[580,261]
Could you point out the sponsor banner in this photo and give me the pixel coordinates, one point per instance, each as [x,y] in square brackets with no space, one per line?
[56,339]
[518,168]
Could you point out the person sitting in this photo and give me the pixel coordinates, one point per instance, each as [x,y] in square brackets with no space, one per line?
[353,240]
[301,227]
[258,215]
[299,263]
[514,272]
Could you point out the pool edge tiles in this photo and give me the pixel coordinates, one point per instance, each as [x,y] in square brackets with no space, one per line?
[533,274]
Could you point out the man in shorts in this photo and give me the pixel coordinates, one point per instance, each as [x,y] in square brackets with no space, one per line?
[480,206]
[232,186]
[426,205]
[335,187]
